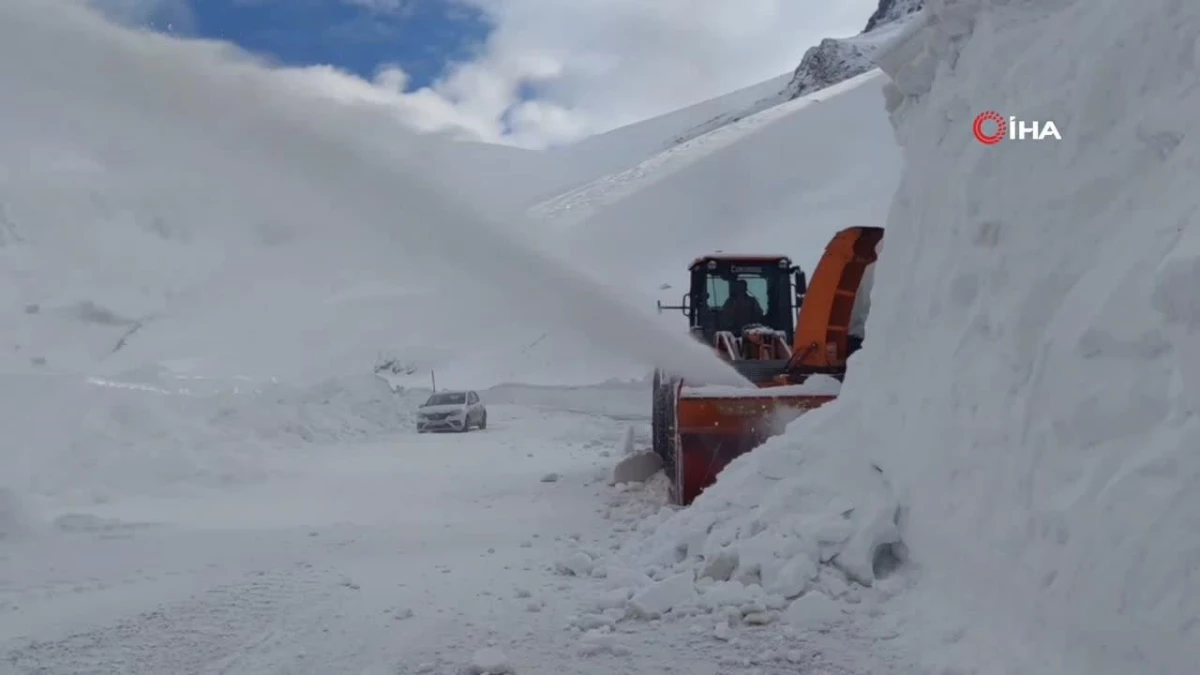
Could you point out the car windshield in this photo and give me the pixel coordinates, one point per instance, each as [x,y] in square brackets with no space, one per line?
[447,398]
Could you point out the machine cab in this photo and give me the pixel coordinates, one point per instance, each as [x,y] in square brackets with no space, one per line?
[716,300]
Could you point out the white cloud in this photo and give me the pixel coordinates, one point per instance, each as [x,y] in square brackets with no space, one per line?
[591,65]
[382,6]
[594,65]
[423,110]
[174,16]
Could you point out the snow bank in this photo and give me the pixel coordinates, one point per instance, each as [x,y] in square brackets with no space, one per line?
[782,521]
[152,434]
[1022,417]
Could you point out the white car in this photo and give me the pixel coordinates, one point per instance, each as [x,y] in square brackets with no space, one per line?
[451,411]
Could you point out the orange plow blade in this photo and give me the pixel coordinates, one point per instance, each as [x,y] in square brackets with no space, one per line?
[714,425]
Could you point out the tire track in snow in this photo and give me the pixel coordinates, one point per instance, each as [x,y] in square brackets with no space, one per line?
[207,634]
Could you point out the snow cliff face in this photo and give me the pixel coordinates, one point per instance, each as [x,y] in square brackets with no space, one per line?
[1031,375]
[1048,288]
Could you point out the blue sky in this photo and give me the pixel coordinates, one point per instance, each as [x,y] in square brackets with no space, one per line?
[360,36]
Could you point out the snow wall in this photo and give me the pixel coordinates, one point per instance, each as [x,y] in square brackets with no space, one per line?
[77,441]
[1036,366]
[1032,366]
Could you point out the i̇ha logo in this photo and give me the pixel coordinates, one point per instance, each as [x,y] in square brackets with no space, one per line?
[990,128]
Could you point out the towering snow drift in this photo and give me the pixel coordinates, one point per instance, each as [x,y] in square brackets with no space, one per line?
[1053,285]
[270,157]
[1023,416]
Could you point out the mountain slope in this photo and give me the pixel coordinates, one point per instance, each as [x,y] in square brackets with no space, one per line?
[782,180]
[599,155]
[831,61]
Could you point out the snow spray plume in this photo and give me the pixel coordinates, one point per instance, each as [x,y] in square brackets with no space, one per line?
[200,112]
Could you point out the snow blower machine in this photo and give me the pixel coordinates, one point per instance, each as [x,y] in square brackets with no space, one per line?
[788,335]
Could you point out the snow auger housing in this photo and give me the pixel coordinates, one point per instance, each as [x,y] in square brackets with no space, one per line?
[790,337]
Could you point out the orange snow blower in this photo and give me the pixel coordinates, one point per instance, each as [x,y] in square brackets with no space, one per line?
[789,336]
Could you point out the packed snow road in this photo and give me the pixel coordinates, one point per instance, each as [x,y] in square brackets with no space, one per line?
[426,553]
[382,556]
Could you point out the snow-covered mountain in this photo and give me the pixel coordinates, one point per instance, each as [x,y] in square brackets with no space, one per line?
[831,61]
[890,11]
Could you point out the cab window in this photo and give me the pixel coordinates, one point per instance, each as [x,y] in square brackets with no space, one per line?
[756,284]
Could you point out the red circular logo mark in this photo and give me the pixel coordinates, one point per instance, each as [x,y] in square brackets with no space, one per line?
[994,137]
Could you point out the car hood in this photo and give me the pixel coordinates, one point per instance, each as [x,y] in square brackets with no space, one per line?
[449,408]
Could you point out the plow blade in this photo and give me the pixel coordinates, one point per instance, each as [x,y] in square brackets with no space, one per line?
[714,428]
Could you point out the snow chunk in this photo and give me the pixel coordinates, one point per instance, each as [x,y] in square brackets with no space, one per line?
[600,641]
[613,599]
[636,468]
[624,578]
[795,577]
[759,618]
[720,566]
[660,598]
[578,564]
[593,621]
[813,611]
[729,594]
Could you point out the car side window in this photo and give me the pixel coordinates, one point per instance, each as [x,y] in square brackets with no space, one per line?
[472,398]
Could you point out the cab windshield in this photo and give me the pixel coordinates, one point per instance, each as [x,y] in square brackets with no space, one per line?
[757,286]
[730,295]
